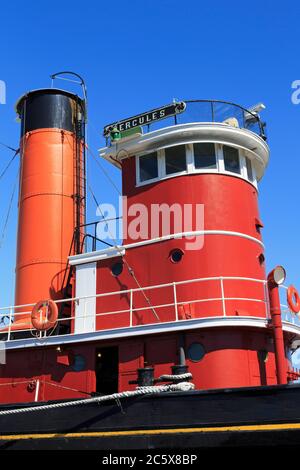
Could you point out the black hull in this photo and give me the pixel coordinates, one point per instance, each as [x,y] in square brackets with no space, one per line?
[262,416]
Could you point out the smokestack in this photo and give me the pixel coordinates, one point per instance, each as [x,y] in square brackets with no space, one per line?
[52,194]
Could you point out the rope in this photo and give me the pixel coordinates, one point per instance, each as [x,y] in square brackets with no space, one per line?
[17,383]
[65,388]
[183,387]
[187,375]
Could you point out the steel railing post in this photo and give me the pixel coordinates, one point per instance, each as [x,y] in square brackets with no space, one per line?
[10,322]
[131,306]
[175,301]
[223,297]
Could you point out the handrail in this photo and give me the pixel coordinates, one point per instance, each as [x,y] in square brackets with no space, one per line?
[214,114]
[10,312]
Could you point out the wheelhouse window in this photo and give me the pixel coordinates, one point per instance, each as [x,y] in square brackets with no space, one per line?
[231,159]
[205,156]
[197,157]
[148,166]
[249,169]
[175,159]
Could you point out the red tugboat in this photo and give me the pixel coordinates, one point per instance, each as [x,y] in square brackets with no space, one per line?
[175,338]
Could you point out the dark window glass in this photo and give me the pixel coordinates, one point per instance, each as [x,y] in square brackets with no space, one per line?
[263,355]
[231,159]
[205,155]
[195,352]
[117,269]
[79,363]
[261,258]
[148,167]
[175,159]
[249,169]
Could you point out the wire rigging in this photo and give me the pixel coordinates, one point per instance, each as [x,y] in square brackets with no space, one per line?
[129,268]
[104,171]
[9,211]
[8,147]
[9,163]
[117,247]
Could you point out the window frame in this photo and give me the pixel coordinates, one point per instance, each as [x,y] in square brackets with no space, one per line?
[206,170]
[138,169]
[238,173]
[190,163]
[182,172]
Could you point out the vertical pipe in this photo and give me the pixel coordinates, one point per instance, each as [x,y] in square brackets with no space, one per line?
[182,350]
[275,311]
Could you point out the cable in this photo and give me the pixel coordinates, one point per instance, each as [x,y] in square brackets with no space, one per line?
[8,212]
[9,163]
[8,147]
[104,171]
[129,268]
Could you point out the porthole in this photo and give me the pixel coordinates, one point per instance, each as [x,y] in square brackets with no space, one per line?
[176,255]
[261,258]
[117,269]
[195,352]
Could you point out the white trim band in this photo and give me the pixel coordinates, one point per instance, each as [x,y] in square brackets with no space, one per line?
[120,250]
[141,330]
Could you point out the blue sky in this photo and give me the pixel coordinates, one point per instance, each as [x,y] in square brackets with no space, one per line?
[138,55]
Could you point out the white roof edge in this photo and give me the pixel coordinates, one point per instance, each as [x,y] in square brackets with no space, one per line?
[188,133]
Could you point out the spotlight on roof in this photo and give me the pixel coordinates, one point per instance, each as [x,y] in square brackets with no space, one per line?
[257,108]
[254,110]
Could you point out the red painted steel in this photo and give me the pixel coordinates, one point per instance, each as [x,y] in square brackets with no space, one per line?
[46,216]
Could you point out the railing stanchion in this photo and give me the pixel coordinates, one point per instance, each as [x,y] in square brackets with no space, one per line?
[223,297]
[212,112]
[10,322]
[175,301]
[266,294]
[131,302]
[37,390]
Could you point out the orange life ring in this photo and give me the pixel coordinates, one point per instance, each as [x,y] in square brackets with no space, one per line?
[44,315]
[293,299]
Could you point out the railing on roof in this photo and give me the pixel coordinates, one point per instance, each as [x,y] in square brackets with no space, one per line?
[170,309]
[211,111]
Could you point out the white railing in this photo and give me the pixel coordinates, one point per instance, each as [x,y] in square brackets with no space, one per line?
[173,305]
[286,313]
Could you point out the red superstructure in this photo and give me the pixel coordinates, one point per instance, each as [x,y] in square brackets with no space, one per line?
[188,285]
